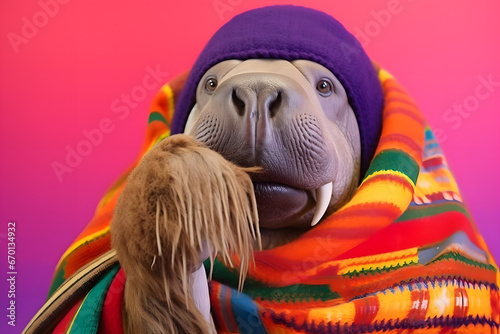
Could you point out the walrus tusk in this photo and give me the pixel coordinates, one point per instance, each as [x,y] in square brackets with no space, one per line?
[323,197]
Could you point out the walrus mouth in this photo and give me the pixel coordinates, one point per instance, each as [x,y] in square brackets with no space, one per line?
[280,205]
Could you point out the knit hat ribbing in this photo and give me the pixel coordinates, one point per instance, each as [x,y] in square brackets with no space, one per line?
[291,33]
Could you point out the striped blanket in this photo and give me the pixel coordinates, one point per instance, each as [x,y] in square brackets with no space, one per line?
[402,256]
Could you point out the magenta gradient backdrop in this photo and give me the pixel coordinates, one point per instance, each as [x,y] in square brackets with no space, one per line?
[64,78]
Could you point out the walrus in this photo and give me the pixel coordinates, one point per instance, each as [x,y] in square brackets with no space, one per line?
[272,93]
[298,190]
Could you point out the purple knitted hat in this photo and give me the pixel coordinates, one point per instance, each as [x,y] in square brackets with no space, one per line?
[290,33]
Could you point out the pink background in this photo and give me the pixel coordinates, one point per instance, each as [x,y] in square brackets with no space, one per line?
[66,75]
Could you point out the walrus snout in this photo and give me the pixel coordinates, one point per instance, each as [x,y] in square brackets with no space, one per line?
[259,107]
[255,98]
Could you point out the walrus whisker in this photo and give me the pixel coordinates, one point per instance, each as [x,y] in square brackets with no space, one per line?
[185,281]
[212,259]
[153,263]
[167,291]
[158,241]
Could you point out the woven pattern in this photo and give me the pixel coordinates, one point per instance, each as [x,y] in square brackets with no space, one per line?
[402,256]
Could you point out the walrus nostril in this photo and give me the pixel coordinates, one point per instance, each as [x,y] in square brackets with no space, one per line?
[238,103]
[275,104]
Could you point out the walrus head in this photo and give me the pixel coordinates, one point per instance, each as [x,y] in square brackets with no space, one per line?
[293,120]
[287,89]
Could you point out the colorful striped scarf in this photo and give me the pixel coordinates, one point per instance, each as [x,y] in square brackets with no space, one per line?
[403,255]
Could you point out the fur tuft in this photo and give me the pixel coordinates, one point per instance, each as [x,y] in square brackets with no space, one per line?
[182,204]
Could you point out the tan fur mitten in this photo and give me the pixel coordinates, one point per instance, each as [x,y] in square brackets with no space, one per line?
[182,204]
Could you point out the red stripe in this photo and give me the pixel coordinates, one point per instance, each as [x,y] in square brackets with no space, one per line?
[391,85]
[495,304]
[62,326]
[404,111]
[233,326]
[419,304]
[414,233]
[402,139]
[215,303]
[395,96]
[366,310]
[111,320]
[461,301]
[433,162]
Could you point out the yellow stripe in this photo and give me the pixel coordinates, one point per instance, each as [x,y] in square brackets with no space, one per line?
[384,75]
[170,99]
[397,304]
[394,305]
[80,242]
[441,300]
[379,264]
[382,192]
[407,253]
[76,313]
[479,301]
[344,313]
[105,199]
[374,261]
[390,172]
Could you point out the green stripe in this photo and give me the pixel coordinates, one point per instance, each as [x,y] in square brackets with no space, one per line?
[460,258]
[157,116]
[58,279]
[395,160]
[381,270]
[256,289]
[422,211]
[87,318]
[294,293]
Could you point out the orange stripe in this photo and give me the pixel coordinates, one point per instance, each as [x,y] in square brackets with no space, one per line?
[402,123]
[395,94]
[399,107]
[393,140]
[396,97]
[88,252]
[412,129]
[391,85]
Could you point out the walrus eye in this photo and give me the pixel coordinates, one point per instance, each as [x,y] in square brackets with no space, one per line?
[210,84]
[324,87]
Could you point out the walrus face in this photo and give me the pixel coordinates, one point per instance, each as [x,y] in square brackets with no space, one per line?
[292,119]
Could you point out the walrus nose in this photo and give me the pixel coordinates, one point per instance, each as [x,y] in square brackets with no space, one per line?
[257,99]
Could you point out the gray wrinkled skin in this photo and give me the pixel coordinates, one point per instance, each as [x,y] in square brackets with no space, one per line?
[269,113]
